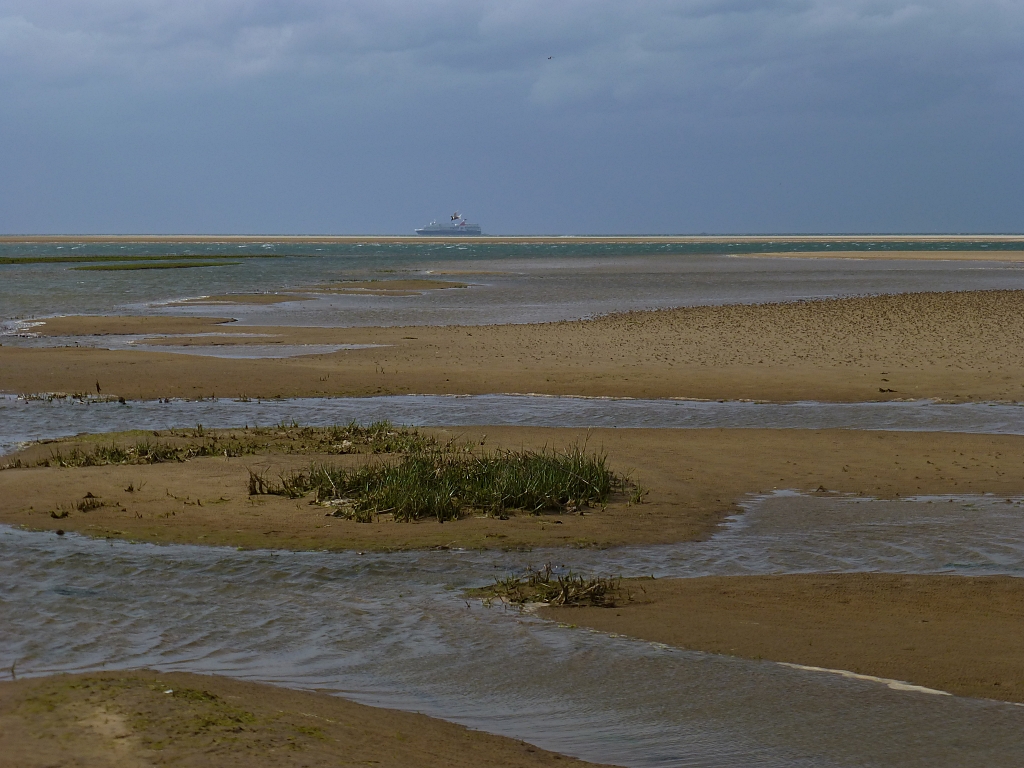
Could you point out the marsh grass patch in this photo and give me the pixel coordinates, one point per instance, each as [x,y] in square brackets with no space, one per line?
[444,481]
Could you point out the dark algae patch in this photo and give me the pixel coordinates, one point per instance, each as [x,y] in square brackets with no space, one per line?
[157,713]
[126,258]
[154,265]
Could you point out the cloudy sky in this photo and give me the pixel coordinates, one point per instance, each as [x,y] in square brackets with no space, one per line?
[530,116]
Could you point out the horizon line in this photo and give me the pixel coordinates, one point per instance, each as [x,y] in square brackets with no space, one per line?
[702,237]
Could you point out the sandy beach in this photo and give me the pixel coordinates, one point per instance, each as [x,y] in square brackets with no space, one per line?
[958,634]
[144,718]
[695,479]
[956,347]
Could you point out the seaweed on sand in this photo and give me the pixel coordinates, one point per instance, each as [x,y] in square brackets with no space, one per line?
[545,586]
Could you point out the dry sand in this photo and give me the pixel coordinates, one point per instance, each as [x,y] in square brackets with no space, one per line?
[952,346]
[143,718]
[952,633]
[695,478]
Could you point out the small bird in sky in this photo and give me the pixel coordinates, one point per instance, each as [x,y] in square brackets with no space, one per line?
[550,58]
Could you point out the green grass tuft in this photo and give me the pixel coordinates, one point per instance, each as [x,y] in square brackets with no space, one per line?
[442,481]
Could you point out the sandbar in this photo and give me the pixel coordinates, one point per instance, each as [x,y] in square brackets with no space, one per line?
[347,287]
[695,479]
[957,347]
[142,718]
[257,299]
[119,325]
[958,634]
[895,255]
[407,287]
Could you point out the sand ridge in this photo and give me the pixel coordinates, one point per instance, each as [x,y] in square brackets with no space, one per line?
[130,325]
[411,287]
[145,718]
[895,255]
[951,346]
[695,479]
[959,634]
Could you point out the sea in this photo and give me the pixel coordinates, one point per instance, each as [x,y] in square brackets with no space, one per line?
[508,282]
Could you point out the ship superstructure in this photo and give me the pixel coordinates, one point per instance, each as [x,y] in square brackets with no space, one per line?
[458,226]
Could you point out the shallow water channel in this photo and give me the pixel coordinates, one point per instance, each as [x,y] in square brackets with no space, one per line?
[25,420]
[394,630]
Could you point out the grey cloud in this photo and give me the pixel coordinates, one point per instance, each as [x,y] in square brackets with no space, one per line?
[662,114]
[622,52]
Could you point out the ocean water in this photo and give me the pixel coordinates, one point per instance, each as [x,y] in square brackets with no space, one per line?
[520,282]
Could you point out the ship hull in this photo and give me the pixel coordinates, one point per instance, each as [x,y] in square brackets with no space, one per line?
[450,232]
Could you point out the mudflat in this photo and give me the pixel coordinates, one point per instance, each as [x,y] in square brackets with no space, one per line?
[693,479]
[962,635]
[145,718]
[951,346]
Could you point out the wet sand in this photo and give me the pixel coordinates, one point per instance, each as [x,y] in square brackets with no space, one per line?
[127,325]
[952,346]
[144,718]
[983,255]
[963,635]
[347,287]
[695,479]
[407,287]
[245,299]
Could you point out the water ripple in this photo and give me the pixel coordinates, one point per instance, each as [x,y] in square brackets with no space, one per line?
[393,630]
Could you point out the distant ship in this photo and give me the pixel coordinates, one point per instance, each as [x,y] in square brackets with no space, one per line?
[458,227]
